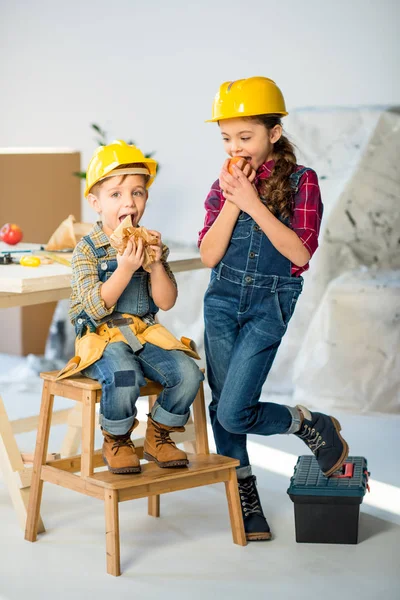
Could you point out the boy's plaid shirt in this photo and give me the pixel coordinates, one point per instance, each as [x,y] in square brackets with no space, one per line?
[306,219]
[85,280]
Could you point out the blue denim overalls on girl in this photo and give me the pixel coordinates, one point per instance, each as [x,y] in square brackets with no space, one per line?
[122,372]
[247,307]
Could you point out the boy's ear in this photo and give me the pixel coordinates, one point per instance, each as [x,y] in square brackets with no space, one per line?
[94,202]
[275,134]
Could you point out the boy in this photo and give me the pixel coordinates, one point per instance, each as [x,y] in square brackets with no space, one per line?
[113,304]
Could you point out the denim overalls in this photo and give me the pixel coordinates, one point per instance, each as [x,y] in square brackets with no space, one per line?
[247,307]
[122,372]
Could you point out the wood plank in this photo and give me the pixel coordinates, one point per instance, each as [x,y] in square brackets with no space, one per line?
[165,487]
[235,509]
[24,280]
[16,477]
[16,279]
[153,506]
[72,482]
[72,464]
[30,423]
[9,300]
[88,429]
[42,442]
[199,413]
[112,533]
[27,458]
[151,473]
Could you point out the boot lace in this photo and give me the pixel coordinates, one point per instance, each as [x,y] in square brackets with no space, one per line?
[249,498]
[312,438]
[162,436]
[120,442]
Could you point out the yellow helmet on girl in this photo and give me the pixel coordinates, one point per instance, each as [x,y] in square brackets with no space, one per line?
[247,98]
[107,158]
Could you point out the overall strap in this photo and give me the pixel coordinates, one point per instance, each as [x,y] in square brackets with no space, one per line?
[99,252]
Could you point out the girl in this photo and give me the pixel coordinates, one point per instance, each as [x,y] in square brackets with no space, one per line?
[261,228]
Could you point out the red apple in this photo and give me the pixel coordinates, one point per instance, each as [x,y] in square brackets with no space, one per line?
[11,234]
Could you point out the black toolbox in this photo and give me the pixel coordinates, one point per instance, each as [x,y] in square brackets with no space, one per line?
[326,509]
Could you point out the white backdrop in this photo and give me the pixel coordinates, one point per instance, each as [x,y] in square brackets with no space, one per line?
[150,70]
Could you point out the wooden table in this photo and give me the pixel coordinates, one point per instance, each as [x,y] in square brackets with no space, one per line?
[24,286]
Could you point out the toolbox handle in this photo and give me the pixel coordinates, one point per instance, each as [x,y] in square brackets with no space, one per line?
[348,471]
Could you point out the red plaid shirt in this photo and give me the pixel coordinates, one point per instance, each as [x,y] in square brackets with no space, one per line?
[306,219]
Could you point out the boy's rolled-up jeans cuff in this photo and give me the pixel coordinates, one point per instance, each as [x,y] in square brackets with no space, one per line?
[116,427]
[160,415]
[296,420]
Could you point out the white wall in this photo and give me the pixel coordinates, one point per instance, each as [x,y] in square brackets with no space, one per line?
[150,70]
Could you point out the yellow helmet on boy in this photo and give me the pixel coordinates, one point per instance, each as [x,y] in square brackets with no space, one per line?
[247,98]
[109,157]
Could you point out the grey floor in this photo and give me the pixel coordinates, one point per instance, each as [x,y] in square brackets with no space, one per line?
[188,552]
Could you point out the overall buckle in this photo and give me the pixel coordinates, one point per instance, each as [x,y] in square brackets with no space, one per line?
[118,321]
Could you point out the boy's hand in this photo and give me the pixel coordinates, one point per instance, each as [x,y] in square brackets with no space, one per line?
[132,258]
[157,248]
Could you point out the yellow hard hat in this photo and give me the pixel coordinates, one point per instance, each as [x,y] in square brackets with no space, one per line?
[247,98]
[107,158]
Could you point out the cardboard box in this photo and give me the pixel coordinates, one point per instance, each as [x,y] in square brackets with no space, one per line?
[38,190]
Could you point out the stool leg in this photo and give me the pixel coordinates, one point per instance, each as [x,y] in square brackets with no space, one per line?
[88,425]
[112,532]
[42,442]
[200,422]
[153,502]
[235,511]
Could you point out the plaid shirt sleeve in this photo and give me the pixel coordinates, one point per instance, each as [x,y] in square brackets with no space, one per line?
[213,205]
[86,284]
[308,209]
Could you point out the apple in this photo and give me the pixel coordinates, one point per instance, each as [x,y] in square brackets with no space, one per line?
[11,234]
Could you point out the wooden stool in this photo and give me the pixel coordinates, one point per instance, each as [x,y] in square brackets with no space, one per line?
[77,472]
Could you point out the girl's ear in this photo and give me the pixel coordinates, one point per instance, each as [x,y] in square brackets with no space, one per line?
[94,202]
[275,134]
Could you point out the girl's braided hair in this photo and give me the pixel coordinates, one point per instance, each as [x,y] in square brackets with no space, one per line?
[276,190]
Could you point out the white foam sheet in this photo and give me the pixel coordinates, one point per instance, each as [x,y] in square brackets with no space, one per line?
[350,357]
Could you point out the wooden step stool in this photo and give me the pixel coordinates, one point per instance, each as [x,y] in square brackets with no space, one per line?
[78,472]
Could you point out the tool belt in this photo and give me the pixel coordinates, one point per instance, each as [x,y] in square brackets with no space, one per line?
[132,330]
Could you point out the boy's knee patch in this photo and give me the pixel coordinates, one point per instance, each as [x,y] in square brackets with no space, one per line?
[124,378]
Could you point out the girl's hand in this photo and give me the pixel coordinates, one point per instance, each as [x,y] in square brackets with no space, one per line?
[238,189]
[132,258]
[156,247]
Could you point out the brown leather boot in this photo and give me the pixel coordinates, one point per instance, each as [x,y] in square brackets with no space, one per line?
[159,448]
[119,452]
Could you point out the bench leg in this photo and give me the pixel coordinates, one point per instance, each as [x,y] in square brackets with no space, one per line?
[235,511]
[112,532]
[42,442]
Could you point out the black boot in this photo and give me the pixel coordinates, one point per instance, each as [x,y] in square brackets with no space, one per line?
[322,435]
[255,524]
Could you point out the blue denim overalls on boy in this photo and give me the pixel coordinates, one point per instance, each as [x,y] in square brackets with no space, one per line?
[247,307]
[122,372]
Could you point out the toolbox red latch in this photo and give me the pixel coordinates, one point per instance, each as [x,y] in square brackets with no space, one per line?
[347,471]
